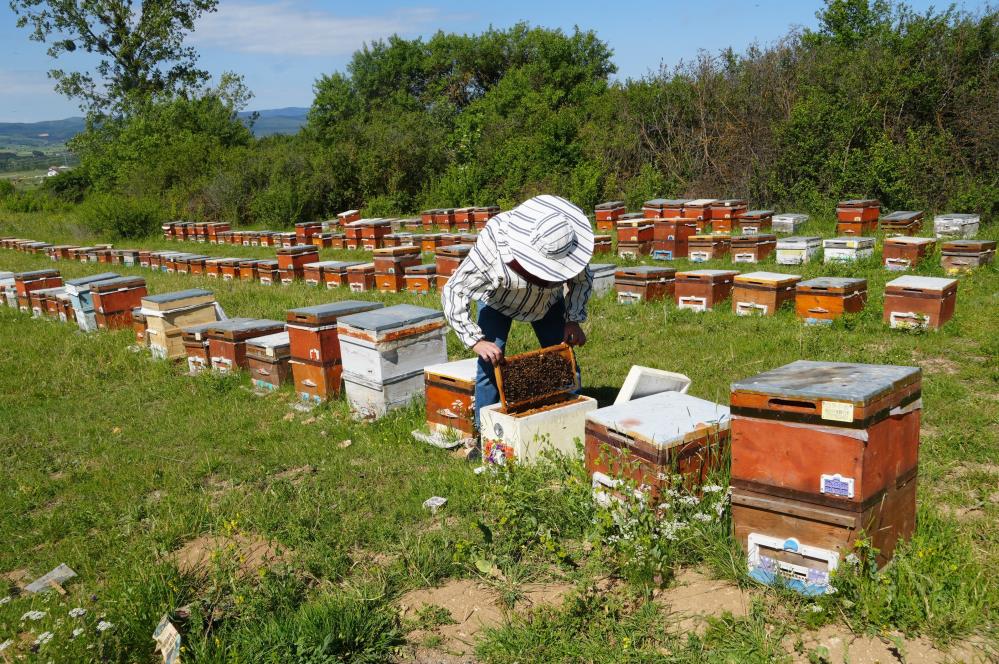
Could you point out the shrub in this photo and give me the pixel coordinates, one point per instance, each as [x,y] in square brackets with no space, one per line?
[68,186]
[6,188]
[117,216]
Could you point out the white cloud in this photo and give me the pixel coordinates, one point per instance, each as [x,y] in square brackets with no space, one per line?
[285,28]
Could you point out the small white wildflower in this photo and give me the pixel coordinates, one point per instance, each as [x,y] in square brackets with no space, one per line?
[815,608]
[852,559]
[6,644]
[700,516]
[830,589]
[43,638]
[4,600]
[689,500]
[712,488]
[77,612]
[77,632]
[103,626]
[720,509]
[33,615]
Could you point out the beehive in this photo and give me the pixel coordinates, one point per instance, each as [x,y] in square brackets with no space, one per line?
[964,255]
[648,440]
[483,213]
[248,270]
[450,389]
[390,267]
[25,282]
[335,272]
[753,248]
[347,216]
[306,229]
[167,313]
[644,283]
[634,231]
[753,222]
[858,210]
[607,213]
[919,302]
[82,300]
[603,277]
[430,241]
[313,330]
[956,225]
[671,237]
[726,210]
[268,360]
[389,342]
[114,300]
[699,210]
[701,290]
[634,250]
[314,274]
[663,208]
[448,258]
[227,343]
[373,232]
[847,249]
[421,278]
[538,410]
[268,272]
[292,261]
[762,293]
[902,253]
[195,339]
[464,218]
[361,277]
[703,248]
[902,222]
[822,300]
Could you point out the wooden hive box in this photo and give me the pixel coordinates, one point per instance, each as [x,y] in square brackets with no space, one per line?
[248,270]
[265,238]
[483,213]
[79,291]
[726,210]
[603,277]
[347,216]
[754,221]
[444,217]
[464,218]
[314,274]
[699,210]
[322,241]
[114,300]
[268,360]
[229,268]
[648,283]
[427,218]
[701,290]
[25,282]
[788,222]
[858,210]
[316,381]
[753,248]
[268,272]
[670,238]
[634,250]
[663,208]
[919,302]
[902,253]
[847,249]
[335,272]
[448,258]
[607,213]
[603,244]
[284,240]
[305,230]
[965,255]
[632,231]
[702,248]
[43,301]
[227,343]
[213,266]
[392,342]
[902,222]
[313,330]
[138,326]
[390,267]
[450,388]
[292,261]
[762,293]
[538,409]
[822,300]
[361,277]
[167,313]
[374,232]
[956,225]
[649,440]
[421,278]
[195,339]
[430,241]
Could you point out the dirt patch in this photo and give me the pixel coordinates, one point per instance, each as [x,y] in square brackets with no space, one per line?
[962,513]
[938,365]
[58,475]
[835,643]
[537,594]
[249,553]
[472,606]
[372,558]
[17,578]
[696,597]
[296,475]
[217,485]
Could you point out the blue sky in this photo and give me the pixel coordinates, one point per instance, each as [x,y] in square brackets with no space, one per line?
[282,46]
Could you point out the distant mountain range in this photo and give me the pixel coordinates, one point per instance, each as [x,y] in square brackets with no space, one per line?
[52,132]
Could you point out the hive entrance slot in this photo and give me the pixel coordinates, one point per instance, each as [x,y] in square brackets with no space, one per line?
[792,404]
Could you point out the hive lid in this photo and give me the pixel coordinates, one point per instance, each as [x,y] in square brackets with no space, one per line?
[239,331]
[84,281]
[707,273]
[836,381]
[708,238]
[969,246]
[731,202]
[487,208]
[602,268]
[905,239]
[407,250]
[666,202]
[426,268]
[9,276]
[36,274]
[911,281]
[964,217]
[177,299]
[756,214]
[610,205]
[330,312]
[460,250]
[859,202]
[754,239]
[297,249]
[664,419]
[361,267]
[790,216]
[321,265]
[268,264]
[49,291]
[390,318]
[198,332]
[796,240]
[849,242]
[531,379]
[117,283]
[276,340]
[347,213]
[902,215]
[701,202]
[647,270]
[833,283]
[772,278]
[464,370]
[631,215]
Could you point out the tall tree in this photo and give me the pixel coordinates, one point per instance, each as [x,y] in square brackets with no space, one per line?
[139,45]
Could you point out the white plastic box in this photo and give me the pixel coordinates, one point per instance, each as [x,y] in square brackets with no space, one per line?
[646,381]
[384,344]
[788,222]
[956,225]
[798,249]
[525,437]
[846,249]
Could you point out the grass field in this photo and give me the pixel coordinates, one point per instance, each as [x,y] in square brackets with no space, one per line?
[126,470]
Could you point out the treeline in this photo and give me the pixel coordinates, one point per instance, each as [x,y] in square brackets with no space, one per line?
[878,101]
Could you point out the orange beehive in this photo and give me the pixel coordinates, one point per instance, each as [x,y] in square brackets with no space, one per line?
[603,244]
[701,290]
[902,222]
[335,272]
[607,213]
[762,293]
[663,208]
[671,237]
[822,300]
[754,222]
[312,331]
[630,231]
[421,278]
[248,270]
[268,272]
[292,261]
[919,302]
[701,248]
[858,210]
[449,258]
[227,343]
[726,210]
[902,253]
[644,282]
[361,277]
[753,248]
[450,390]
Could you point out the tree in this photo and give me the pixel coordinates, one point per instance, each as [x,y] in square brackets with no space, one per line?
[140,47]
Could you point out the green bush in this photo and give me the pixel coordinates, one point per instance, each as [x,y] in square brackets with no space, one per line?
[122,217]
[6,188]
[69,186]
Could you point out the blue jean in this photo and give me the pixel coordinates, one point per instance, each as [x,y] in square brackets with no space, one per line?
[550,331]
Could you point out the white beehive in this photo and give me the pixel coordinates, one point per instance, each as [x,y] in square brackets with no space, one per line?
[374,399]
[956,225]
[788,222]
[603,277]
[846,249]
[525,436]
[798,250]
[384,344]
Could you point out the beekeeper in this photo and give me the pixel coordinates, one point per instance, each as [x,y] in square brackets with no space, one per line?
[529,264]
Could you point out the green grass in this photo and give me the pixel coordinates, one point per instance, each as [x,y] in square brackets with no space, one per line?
[114,460]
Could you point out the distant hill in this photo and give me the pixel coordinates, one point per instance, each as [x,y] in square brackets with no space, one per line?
[55,132]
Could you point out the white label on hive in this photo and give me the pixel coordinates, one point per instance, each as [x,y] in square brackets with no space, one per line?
[836,485]
[838,411]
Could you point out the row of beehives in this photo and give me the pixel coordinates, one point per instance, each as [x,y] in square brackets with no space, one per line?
[822,453]
[909,301]
[374,354]
[393,269]
[853,218]
[346,231]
